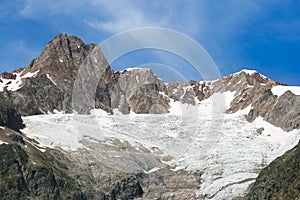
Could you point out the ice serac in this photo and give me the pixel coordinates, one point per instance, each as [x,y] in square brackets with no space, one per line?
[55,71]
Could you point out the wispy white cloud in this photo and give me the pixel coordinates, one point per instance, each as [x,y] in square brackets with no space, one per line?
[120,16]
[115,16]
[214,24]
[193,17]
[42,8]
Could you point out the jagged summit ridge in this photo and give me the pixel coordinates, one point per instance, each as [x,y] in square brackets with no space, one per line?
[250,72]
[47,85]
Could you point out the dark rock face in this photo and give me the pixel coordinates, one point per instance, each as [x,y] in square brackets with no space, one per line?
[141,91]
[27,173]
[280,180]
[20,180]
[118,185]
[9,117]
[12,159]
[17,138]
[7,75]
[176,185]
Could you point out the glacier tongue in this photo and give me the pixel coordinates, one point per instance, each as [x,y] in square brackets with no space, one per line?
[226,149]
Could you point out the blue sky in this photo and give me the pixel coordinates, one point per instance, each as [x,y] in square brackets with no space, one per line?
[252,34]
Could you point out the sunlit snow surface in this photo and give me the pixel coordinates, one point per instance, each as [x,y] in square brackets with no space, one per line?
[280,90]
[225,148]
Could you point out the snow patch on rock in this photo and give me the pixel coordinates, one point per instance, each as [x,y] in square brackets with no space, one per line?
[2,142]
[15,84]
[48,76]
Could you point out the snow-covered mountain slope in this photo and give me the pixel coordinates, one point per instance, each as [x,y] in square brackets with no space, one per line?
[226,149]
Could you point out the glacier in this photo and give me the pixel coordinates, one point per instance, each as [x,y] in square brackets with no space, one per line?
[227,149]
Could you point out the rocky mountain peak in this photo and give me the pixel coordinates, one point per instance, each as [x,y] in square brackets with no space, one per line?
[242,80]
[252,77]
[46,84]
[64,54]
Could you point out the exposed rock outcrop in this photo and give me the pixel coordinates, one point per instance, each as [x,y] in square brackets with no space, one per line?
[165,184]
[280,180]
[188,92]
[140,91]
[255,91]
[21,179]
[285,112]
[9,117]
[8,75]
[28,173]
[280,111]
